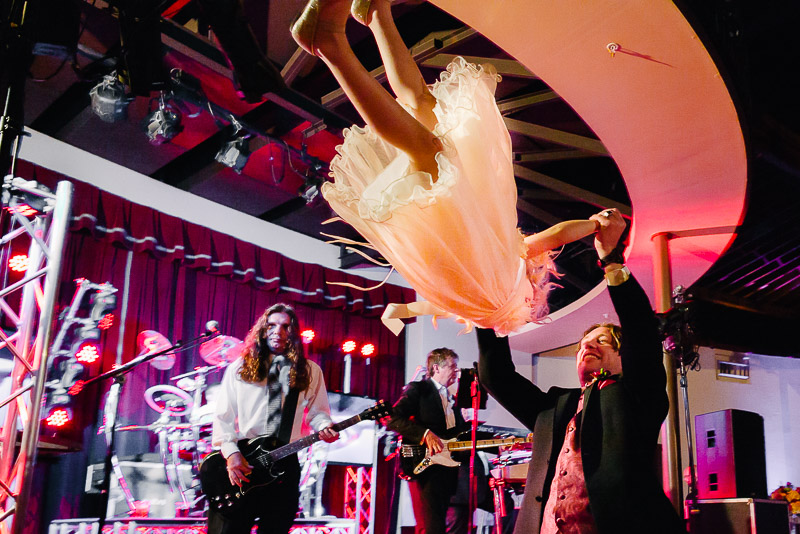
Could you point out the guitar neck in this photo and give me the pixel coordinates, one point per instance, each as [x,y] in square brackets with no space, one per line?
[300,444]
[481,444]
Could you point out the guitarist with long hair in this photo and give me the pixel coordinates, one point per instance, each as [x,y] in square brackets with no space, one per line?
[425,414]
[272,390]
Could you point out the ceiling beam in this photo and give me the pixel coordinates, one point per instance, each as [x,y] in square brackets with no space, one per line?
[429,46]
[556,136]
[542,156]
[63,109]
[299,60]
[570,190]
[283,209]
[505,67]
[512,105]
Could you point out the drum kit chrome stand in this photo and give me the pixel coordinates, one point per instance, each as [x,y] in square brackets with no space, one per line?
[185,412]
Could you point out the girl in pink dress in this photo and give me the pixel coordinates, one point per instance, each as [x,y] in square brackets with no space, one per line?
[429,180]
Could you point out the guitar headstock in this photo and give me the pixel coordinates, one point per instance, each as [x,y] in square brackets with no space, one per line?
[380,410]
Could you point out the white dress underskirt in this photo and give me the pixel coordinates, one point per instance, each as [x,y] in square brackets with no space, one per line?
[454,240]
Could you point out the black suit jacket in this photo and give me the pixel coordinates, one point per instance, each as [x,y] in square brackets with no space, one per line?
[420,408]
[619,426]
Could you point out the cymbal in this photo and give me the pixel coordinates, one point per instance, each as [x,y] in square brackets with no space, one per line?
[150,342]
[221,349]
[165,398]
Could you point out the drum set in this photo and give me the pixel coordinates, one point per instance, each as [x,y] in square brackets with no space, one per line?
[185,412]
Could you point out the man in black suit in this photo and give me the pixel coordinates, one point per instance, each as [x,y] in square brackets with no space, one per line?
[592,464]
[424,415]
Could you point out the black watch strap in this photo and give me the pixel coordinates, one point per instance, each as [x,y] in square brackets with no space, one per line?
[615,256]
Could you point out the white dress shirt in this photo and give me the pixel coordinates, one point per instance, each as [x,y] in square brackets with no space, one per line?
[242,407]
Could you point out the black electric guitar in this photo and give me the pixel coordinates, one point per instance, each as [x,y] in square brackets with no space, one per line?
[414,459]
[263,453]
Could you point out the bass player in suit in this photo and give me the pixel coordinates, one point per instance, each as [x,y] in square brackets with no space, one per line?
[425,415]
[272,390]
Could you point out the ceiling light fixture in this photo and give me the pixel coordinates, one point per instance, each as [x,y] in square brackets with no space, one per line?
[162,124]
[109,101]
[235,152]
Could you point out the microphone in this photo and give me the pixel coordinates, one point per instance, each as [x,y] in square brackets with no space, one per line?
[212,327]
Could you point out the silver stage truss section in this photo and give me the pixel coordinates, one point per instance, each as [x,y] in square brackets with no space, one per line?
[30,339]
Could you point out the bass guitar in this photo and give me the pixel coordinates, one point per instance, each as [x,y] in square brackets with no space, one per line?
[263,453]
[414,459]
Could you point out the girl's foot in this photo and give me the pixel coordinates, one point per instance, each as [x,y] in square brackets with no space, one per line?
[315,28]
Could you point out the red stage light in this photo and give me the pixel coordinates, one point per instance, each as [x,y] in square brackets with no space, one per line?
[368,350]
[349,346]
[58,418]
[18,263]
[308,335]
[87,353]
[106,322]
[76,388]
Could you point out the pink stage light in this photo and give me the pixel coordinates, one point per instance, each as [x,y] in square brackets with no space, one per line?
[23,209]
[87,353]
[18,263]
[307,335]
[349,346]
[368,350]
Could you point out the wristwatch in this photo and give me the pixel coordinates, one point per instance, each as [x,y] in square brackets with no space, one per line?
[619,276]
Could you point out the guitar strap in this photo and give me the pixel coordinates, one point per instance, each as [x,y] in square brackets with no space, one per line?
[287,416]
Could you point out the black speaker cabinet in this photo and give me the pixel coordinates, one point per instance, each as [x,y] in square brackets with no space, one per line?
[731,461]
[739,516]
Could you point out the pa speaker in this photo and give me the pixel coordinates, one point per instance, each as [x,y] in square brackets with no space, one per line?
[731,461]
[739,516]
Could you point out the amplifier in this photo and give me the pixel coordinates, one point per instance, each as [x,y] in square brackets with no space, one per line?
[739,516]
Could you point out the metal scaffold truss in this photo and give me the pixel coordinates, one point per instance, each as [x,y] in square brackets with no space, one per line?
[31,213]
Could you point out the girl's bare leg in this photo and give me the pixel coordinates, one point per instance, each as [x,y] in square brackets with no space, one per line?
[401,69]
[385,116]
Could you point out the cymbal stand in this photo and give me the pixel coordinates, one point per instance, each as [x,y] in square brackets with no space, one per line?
[110,413]
[170,461]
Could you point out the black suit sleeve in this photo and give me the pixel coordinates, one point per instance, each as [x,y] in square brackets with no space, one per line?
[641,351]
[498,375]
[406,413]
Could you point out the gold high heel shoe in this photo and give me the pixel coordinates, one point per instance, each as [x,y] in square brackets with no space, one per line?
[304,28]
[360,10]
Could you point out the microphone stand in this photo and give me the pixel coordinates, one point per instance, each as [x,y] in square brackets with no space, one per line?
[110,413]
[475,393]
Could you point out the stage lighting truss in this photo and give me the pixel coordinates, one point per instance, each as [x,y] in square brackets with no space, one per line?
[26,198]
[163,123]
[235,152]
[109,100]
[69,364]
[43,226]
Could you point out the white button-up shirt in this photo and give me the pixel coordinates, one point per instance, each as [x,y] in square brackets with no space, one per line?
[241,410]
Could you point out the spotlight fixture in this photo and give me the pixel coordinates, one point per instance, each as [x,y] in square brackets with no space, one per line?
[27,198]
[58,417]
[162,124]
[109,101]
[309,191]
[368,350]
[235,152]
[18,263]
[349,346]
[307,336]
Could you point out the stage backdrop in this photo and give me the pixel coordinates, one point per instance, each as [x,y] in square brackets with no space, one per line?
[173,277]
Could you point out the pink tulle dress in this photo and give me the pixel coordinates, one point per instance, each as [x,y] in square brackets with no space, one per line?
[455,240]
